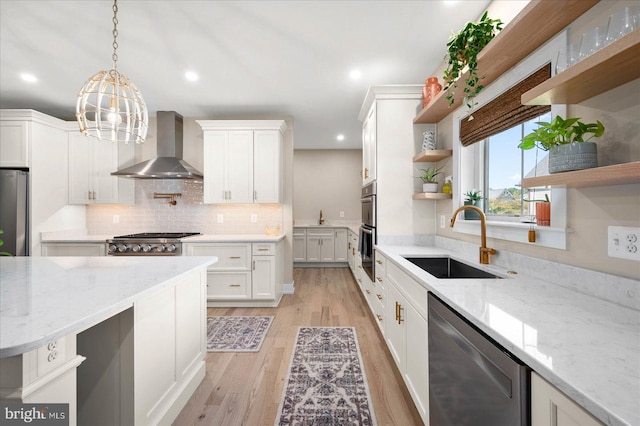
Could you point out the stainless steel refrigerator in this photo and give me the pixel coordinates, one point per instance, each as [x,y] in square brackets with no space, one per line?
[14,211]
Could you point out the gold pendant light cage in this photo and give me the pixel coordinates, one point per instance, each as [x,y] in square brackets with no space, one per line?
[109,105]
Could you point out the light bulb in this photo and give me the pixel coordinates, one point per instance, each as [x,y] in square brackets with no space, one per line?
[114,118]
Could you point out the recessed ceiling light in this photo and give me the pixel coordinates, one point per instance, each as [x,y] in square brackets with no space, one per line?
[191,76]
[355,75]
[30,78]
[340,137]
[449,2]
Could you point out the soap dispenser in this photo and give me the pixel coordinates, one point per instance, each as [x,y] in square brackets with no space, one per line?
[446,188]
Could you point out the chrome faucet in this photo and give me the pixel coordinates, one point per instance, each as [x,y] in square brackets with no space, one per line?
[321,220]
[484,251]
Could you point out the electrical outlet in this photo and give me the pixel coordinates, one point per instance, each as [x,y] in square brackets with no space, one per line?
[220,218]
[254,218]
[443,221]
[622,242]
[116,218]
[341,213]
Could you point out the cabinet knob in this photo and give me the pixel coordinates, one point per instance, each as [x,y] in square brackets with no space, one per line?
[368,291]
[379,317]
[379,279]
[379,296]
[379,262]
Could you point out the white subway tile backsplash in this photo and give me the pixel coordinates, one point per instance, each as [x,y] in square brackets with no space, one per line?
[190,214]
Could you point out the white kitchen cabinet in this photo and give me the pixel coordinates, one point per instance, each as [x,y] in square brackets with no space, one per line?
[74,249]
[369,147]
[407,333]
[243,161]
[352,248]
[299,245]
[91,163]
[550,407]
[341,245]
[14,144]
[320,245]
[246,274]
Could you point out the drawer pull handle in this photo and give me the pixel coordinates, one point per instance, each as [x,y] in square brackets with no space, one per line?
[379,279]
[359,280]
[263,249]
[379,296]
[368,291]
[379,262]
[234,285]
[234,257]
[379,317]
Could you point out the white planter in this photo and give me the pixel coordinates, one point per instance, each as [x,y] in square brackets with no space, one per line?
[430,187]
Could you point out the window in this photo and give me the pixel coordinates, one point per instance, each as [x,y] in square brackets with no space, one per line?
[503,166]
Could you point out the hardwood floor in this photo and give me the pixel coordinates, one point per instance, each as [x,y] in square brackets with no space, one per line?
[245,388]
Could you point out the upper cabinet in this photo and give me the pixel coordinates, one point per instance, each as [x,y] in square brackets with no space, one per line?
[369,147]
[91,162]
[14,144]
[243,160]
[532,27]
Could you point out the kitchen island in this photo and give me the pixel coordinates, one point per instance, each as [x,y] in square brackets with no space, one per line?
[126,335]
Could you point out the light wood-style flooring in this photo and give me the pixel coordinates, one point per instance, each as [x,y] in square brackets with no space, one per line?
[245,388]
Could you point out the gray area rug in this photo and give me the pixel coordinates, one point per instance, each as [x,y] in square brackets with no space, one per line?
[236,334]
[326,383]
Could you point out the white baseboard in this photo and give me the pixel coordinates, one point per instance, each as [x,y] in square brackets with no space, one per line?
[288,288]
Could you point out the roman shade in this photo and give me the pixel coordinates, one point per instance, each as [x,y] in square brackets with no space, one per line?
[505,111]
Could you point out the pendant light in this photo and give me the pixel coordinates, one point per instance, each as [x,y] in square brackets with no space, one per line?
[109,105]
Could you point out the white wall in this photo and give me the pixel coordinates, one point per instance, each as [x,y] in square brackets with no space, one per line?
[589,210]
[327,180]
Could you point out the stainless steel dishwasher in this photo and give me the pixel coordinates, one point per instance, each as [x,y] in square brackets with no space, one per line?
[472,380]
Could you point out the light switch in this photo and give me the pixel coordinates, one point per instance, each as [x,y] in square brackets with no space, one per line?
[220,218]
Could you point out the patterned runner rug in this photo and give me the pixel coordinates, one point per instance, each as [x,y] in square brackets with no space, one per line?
[326,383]
[236,334]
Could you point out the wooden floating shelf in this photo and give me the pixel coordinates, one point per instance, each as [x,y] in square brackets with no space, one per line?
[606,69]
[431,196]
[539,21]
[432,156]
[618,174]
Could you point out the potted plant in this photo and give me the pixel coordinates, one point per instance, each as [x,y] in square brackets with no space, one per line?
[462,53]
[428,178]
[543,211]
[567,142]
[472,198]
[3,253]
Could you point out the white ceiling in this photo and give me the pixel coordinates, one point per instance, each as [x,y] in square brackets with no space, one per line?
[253,57]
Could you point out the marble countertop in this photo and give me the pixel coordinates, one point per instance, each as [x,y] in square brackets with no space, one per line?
[353,226]
[587,347]
[44,298]
[209,238]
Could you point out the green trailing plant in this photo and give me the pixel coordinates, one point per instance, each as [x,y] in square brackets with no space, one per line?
[429,175]
[3,253]
[473,196]
[462,52]
[561,132]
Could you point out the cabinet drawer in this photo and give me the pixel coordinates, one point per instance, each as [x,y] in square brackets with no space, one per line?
[264,249]
[232,285]
[381,263]
[231,257]
[320,232]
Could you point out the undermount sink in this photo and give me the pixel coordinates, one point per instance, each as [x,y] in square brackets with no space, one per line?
[447,268]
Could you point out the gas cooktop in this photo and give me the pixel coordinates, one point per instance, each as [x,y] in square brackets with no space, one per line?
[148,244]
[165,235]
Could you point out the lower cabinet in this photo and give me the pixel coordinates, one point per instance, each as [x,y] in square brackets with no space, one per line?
[299,245]
[246,274]
[340,245]
[74,249]
[550,407]
[323,244]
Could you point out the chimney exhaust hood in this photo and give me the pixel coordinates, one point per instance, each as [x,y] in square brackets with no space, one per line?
[169,163]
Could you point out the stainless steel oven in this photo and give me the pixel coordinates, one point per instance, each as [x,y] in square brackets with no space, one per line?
[148,244]
[368,236]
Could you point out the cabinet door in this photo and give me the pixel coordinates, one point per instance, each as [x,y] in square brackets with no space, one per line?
[239,166]
[191,312]
[341,245]
[369,147]
[264,277]
[550,407]
[299,248]
[80,159]
[267,159]
[74,249]
[327,249]
[396,334]
[14,144]
[214,166]
[104,161]
[417,373]
[313,248]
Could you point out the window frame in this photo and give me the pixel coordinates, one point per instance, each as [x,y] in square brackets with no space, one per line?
[469,170]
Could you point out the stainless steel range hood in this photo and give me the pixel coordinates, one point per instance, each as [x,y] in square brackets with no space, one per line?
[169,163]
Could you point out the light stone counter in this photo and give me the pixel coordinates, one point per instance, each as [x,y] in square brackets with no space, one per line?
[44,298]
[587,347]
[240,238]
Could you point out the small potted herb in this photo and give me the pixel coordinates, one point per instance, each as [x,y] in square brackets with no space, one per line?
[568,143]
[543,210]
[472,198]
[462,53]
[428,178]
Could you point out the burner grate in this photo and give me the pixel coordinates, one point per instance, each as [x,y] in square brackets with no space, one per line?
[167,235]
